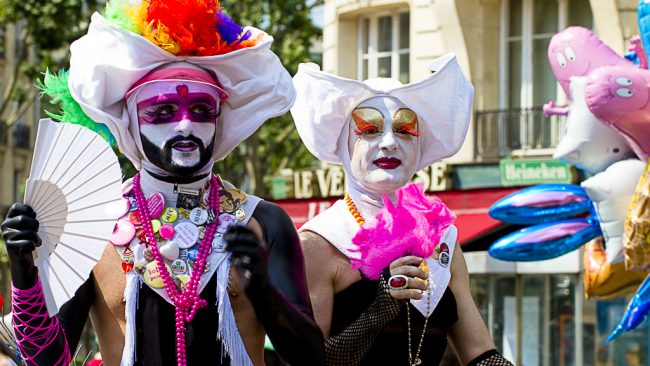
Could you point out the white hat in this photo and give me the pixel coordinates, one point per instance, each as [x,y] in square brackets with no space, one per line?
[107,61]
[442,102]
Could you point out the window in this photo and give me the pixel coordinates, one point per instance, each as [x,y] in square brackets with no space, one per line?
[384,51]
[526,79]
[528,25]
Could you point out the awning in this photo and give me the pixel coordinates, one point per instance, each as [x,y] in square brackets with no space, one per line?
[471,209]
[470,206]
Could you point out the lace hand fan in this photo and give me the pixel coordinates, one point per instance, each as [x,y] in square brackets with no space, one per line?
[75,189]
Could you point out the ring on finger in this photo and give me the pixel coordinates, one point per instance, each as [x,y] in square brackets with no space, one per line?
[398,282]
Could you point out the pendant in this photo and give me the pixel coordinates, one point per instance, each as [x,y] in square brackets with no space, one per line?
[417,361]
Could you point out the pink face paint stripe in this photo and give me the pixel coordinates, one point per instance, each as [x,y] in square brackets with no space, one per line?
[184,104]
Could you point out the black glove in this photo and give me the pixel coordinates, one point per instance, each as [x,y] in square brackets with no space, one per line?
[248,257]
[20,234]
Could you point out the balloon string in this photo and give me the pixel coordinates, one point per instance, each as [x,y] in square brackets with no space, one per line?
[35,329]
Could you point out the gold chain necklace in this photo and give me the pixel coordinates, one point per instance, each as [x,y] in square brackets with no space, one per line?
[412,362]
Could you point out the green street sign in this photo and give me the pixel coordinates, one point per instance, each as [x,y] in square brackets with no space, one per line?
[530,172]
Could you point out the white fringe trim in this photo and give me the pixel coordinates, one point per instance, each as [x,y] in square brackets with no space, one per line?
[228,333]
[133,283]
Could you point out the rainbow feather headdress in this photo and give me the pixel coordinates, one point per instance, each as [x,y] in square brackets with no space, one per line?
[134,37]
[181,27]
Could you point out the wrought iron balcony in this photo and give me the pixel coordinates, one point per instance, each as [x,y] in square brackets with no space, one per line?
[501,133]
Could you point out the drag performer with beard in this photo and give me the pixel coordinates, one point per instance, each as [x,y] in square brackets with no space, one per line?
[383,132]
[191,278]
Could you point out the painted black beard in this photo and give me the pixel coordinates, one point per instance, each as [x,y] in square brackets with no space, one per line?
[162,158]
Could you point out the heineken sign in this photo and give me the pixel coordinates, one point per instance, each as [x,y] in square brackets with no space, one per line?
[529,172]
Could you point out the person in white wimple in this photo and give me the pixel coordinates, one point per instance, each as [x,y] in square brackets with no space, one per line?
[383,132]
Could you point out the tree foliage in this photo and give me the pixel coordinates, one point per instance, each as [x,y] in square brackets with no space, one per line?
[276,144]
[43,30]
[46,29]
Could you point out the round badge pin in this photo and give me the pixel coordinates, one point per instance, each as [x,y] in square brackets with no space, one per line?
[123,233]
[166,231]
[186,234]
[218,244]
[198,216]
[155,225]
[156,204]
[179,267]
[134,217]
[152,275]
[169,215]
[240,214]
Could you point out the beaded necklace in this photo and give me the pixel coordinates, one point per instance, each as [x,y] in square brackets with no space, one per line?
[186,302]
[412,361]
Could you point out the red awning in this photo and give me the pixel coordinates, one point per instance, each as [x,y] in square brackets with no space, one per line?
[470,206]
[471,209]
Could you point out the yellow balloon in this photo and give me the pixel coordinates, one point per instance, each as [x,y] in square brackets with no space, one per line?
[636,239]
[605,280]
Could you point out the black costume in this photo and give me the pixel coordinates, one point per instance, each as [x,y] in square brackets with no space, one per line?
[281,305]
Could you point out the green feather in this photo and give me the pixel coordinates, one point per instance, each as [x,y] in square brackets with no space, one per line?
[116,14]
[56,87]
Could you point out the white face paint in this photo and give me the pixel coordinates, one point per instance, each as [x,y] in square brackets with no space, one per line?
[177,122]
[383,144]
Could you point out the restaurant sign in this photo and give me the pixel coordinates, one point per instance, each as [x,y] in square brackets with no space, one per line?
[330,181]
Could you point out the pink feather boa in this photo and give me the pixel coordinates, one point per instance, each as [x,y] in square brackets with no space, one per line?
[412,227]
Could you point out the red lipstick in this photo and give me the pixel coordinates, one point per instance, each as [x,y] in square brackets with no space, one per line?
[387,163]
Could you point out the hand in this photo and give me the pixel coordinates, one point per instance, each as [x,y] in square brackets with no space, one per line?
[635,45]
[548,108]
[248,255]
[20,234]
[416,278]
[20,230]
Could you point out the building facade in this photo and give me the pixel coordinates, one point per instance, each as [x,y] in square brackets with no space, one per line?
[17,123]
[536,312]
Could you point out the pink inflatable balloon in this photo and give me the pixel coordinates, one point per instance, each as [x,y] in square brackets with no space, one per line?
[576,51]
[619,96]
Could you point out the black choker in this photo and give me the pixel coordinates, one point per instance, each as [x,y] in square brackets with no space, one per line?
[174,179]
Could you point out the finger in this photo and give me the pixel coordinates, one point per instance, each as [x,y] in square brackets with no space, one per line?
[240,250]
[409,271]
[406,294]
[14,234]
[22,236]
[408,260]
[416,284]
[18,209]
[21,222]
[23,245]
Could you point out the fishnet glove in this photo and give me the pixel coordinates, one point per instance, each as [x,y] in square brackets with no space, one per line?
[490,358]
[350,346]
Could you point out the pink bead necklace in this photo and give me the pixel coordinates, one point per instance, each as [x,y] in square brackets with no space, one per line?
[186,302]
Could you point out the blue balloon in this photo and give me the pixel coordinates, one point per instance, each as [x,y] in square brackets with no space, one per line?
[632,57]
[545,241]
[635,312]
[643,14]
[541,203]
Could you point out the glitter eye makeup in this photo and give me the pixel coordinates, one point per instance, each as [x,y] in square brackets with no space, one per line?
[367,121]
[405,121]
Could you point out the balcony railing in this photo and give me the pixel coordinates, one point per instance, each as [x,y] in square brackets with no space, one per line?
[501,133]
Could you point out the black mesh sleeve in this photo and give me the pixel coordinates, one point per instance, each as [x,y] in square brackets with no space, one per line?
[351,345]
[490,358]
